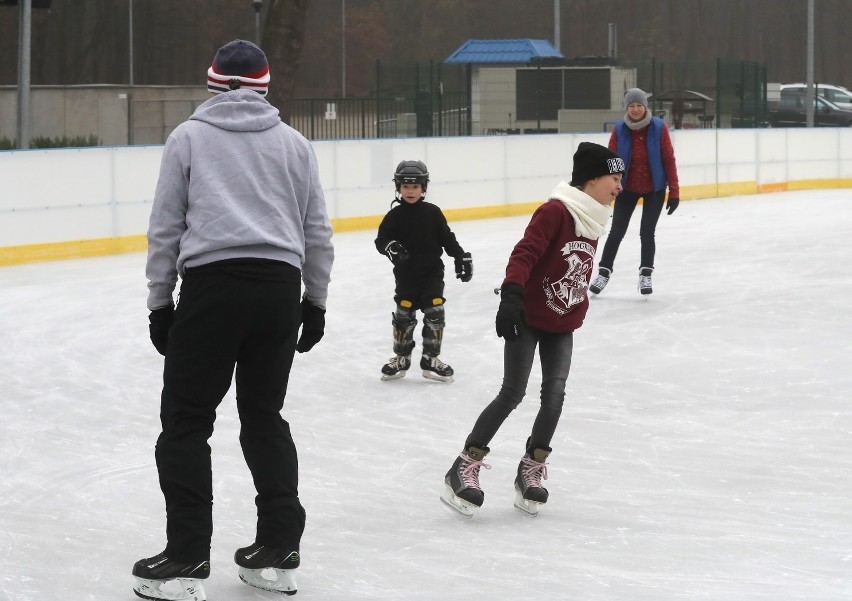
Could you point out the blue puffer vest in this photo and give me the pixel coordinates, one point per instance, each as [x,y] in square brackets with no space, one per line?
[652,143]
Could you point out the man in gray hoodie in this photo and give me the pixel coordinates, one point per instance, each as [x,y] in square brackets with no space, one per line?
[240,217]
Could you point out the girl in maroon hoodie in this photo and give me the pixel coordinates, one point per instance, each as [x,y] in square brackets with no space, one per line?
[543,300]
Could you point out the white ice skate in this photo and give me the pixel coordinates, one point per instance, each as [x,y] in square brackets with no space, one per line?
[177,589]
[453,501]
[270,579]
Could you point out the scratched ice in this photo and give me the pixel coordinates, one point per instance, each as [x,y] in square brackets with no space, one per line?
[704,452]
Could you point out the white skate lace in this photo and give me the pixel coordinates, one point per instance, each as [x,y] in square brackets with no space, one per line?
[470,471]
[398,362]
[437,363]
[533,472]
[644,281]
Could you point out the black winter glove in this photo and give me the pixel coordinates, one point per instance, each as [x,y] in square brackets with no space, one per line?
[464,267]
[396,252]
[313,326]
[671,204]
[160,321]
[511,316]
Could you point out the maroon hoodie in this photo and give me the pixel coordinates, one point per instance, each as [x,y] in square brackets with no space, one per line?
[553,265]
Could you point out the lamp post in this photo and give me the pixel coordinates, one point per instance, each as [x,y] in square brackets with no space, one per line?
[25,14]
[130,42]
[257,5]
[557,30]
[343,47]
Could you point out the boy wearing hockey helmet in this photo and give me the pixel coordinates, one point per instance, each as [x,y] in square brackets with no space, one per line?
[413,235]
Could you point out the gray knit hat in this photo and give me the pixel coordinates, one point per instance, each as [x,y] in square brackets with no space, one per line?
[635,95]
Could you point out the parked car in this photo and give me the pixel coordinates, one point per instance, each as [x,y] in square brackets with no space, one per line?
[836,94]
[790,111]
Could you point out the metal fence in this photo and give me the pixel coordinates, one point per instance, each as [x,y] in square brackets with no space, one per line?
[364,118]
[426,99]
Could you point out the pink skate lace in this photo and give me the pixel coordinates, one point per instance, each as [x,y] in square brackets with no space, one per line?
[533,472]
[470,471]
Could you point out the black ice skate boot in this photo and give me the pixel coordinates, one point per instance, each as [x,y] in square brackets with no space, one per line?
[435,369]
[154,572]
[600,281]
[645,280]
[462,491]
[531,471]
[255,559]
[397,367]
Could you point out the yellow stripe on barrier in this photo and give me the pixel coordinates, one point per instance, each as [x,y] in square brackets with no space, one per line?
[80,249]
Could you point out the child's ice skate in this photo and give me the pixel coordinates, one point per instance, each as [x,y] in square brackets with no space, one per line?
[259,564]
[462,491]
[435,369]
[396,368]
[159,577]
[531,471]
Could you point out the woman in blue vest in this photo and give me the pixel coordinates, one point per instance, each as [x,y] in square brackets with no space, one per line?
[643,141]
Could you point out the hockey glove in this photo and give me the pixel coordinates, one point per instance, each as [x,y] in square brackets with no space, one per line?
[160,321]
[313,326]
[464,267]
[511,316]
[396,252]
[671,204]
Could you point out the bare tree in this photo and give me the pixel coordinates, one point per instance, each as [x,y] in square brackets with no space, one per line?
[283,42]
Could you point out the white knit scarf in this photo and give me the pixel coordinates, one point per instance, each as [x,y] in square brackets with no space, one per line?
[589,215]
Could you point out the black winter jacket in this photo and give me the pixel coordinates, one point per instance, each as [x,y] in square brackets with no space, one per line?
[424,232]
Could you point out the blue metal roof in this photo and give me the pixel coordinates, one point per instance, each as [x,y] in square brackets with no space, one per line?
[522,51]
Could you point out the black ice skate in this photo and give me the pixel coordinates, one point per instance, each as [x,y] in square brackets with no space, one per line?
[600,281]
[435,369]
[257,561]
[396,367]
[462,491]
[645,280]
[531,471]
[182,581]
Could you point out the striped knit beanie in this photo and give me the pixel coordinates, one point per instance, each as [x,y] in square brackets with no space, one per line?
[239,65]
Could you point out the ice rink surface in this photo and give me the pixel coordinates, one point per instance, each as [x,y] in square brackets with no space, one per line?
[704,452]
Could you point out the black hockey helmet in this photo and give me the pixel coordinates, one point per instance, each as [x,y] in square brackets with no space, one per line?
[411,172]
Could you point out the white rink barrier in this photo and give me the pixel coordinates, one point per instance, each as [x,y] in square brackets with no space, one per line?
[79,202]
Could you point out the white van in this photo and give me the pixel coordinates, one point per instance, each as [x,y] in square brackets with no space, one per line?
[836,94]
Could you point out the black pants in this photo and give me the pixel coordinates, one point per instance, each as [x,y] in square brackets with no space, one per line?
[231,313]
[625,204]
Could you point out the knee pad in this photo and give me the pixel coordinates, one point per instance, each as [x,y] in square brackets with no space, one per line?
[403,317]
[433,317]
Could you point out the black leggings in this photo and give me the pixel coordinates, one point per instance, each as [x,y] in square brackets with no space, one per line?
[625,203]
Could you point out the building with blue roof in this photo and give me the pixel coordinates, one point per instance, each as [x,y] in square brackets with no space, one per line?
[527,86]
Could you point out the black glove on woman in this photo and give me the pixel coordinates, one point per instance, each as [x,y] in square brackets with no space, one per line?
[671,205]
[511,316]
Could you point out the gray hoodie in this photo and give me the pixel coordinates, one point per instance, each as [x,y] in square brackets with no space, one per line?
[236,182]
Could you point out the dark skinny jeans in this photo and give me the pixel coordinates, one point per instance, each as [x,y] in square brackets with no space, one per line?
[625,204]
[555,351]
